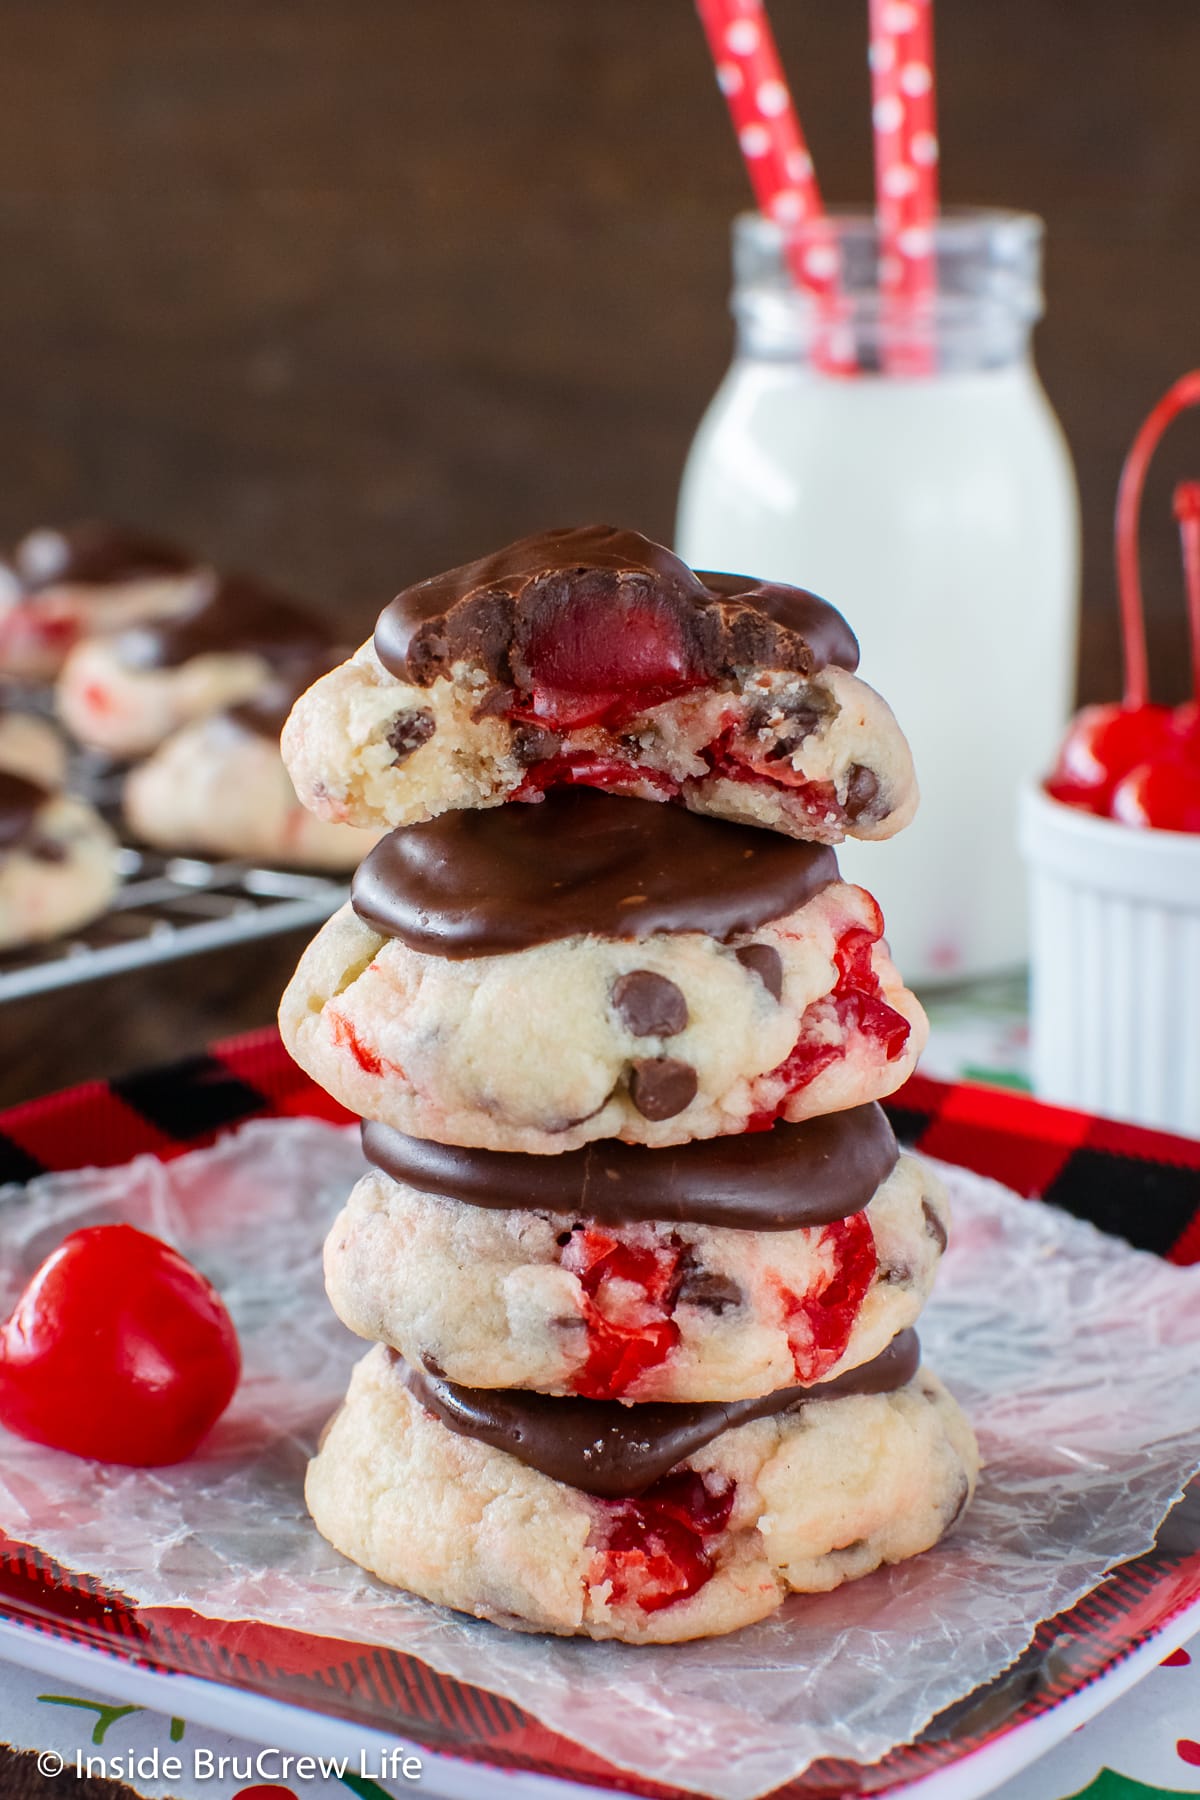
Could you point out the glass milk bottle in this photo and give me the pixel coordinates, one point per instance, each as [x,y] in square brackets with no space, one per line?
[938,511]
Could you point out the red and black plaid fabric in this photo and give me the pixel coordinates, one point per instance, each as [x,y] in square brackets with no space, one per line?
[1137,1184]
[1144,1186]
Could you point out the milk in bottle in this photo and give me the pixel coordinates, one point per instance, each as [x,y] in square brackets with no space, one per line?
[938,511]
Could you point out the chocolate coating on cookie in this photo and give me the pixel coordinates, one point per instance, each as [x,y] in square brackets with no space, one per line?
[20,802]
[790,1177]
[603,1447]
[503,613]
[228,614]
[92,554]
[580,863]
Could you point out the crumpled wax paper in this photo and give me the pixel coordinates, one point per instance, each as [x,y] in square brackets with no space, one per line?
[1075,1356]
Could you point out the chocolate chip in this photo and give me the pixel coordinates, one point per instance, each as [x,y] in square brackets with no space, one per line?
[706,1288]
[934,1226]
[533,744]
[800,725]
[764,961]
[495,703]
[649,1005]
[408,732]
[47,849]
[661,1086]
[791,719]
[862,790]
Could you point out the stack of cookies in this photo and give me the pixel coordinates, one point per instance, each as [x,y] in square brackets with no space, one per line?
[637,1250]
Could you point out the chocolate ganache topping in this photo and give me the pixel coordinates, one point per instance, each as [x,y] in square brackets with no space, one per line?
[604,1447]
[579,862]
[20,802]
[92,554]
[508,612]
[784,1179]
[229,614]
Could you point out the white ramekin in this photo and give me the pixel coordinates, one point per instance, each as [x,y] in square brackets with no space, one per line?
[1114,964]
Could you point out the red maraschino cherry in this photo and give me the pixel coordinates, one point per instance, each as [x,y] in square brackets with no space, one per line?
[118,1349]
[1101,747]
[1133,761]
[1187,511]
[1164,795]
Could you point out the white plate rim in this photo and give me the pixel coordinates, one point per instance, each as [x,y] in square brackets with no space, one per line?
[262,1720]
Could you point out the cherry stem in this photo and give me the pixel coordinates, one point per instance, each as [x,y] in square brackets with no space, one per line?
[1187,511]
[1184,393]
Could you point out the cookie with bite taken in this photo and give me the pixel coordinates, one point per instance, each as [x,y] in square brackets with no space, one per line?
[594,657]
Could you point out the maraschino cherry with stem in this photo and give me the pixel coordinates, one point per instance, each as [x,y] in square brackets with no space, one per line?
[1187,511]
[1106,743]
[1164,791]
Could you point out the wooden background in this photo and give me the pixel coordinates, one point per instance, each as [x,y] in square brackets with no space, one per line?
[348,292]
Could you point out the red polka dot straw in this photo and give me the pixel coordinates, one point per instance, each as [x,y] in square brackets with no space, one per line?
[906,158]
[769,133]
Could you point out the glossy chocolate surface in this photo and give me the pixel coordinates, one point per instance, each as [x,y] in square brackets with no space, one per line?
[93,554]
[603,1447]
[229,614]
[784,1179]
[495,611]
[478,883]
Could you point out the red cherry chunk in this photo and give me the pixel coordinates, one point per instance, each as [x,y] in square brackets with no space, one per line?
[858,1007]
[1163,795]
[587,642]
[629,1294]
[820,1321]
[118,1349]
[580,769]
[652,1550]
[1103,744]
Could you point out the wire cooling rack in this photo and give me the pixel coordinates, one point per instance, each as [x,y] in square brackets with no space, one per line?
[171,906]
[166,906]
